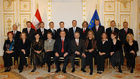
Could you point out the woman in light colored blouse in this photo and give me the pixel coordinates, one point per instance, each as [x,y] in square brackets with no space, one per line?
[48,47]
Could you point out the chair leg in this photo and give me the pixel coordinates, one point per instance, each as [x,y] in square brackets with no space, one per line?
[13,62]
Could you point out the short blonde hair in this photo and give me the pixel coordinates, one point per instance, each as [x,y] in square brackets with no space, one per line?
[129,35]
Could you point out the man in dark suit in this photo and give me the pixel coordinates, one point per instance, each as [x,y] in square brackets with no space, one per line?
[84,30]
[16,36]
[62,28]
[112,29]
[98,30]
[61,50]
[29,31]
[52,30]
[73,29]
[77,49]
[123,32]
[42,31]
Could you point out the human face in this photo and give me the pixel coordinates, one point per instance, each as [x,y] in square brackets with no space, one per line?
[29,25]
[90,35]
[10,36]
[23,36]
[42,25]
[104,36]
[113,36]
[125,25]
[51,25]
[76,35]
[97,22]
[62,34]
[112,24]
[37,36]
[61,25]
[14,27]
[85,25]
[74,23]
[49,36]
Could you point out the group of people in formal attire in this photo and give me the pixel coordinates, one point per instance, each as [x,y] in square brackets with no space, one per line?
[42,45]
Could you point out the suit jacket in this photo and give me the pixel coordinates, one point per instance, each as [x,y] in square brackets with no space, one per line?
[98,33]
[80,47]
[104,47]
[109,31]
[84,34]
[17,35]
[30,35]
[71,32]
[26,46]
[49,45]
[58,46]
[53,33]
[42,36]
[123,34]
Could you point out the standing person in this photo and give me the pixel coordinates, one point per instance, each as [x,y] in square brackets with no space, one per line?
[23,50]
[104,51]
[112,29]
[51,29]
[98,30]
[116,52]
[29,31]
[48,47]
[61,49]
[62,28]
[123,32]
[84,30]
[77,49]
[90,50]
[9,50]
[16,37]
[42,31]
[130,48]
[37,47]
[73,29]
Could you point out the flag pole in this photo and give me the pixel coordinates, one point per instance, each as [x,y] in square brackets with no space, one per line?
[37,4]
[96,4]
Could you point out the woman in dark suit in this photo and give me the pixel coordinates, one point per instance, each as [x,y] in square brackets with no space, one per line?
[24,51]
[103,47]
[37,47]
[90,45]
[116,53]
[131,49]
[9,48]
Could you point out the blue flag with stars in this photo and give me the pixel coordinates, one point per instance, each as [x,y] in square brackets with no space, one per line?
[92,22]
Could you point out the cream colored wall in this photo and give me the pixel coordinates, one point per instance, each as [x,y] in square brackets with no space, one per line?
[19,11]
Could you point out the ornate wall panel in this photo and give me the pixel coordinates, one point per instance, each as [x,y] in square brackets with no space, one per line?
[109,6]
[23,19]
[107,19]
[25,5]
[8,5]
[125,17]
[8,20]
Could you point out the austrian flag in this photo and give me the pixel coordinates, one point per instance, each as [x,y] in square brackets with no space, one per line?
[36,20]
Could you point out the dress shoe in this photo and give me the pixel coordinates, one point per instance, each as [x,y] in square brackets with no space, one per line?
[73,70]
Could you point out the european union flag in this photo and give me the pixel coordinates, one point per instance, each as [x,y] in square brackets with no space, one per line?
[92,22]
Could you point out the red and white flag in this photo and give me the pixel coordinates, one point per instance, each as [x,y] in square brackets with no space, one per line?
[36,20]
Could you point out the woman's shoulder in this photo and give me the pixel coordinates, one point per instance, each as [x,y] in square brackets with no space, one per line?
[135,42]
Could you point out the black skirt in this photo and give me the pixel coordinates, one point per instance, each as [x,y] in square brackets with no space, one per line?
[116,59]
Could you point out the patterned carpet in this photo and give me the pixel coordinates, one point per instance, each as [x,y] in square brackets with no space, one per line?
[41,73]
